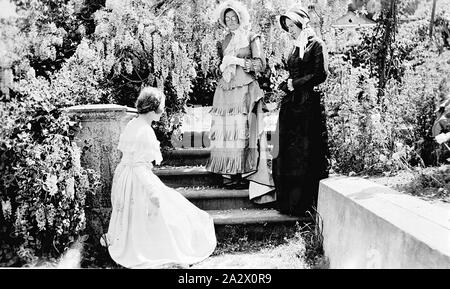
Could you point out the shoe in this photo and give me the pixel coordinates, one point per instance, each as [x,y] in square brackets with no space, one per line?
[242,185]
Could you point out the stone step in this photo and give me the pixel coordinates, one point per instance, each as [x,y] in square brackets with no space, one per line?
[187,176]
[230,225]
[254,224]
[251,216]
[217,198]
[186,157]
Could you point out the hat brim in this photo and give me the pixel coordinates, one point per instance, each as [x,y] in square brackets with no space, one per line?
[300,18]
[283,22]
[222,16]
[240,10]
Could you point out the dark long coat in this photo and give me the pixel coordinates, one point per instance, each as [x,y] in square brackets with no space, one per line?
[300,150]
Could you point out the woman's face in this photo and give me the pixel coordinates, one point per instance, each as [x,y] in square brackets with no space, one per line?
[162,106]
[152,116]
[231,20]
[294,30]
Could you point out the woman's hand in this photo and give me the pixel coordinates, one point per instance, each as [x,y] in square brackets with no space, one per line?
[289,85]
[154,201]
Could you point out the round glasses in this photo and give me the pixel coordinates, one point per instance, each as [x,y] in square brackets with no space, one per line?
[234,18]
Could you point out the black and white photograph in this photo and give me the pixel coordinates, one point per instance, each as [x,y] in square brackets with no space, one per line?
[223,141]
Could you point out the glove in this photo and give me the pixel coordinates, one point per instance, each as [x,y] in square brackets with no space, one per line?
[442,138]
[228,74]
[237,61]
[289,85]
[230,60]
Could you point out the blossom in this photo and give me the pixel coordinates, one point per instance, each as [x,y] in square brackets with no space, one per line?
[82,221]
[6,209]
[51,212]
[383,158]
[76,157]
[397,155]
[40,218]
[52,184]
[70,187]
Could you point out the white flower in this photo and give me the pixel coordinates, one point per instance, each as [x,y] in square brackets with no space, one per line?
[396,156]
[70,187]
[40,218]
[52,184]
[175,48]
[376,118]
[76,157]
[84,181]
[50,214]
[6,209]
[398,145]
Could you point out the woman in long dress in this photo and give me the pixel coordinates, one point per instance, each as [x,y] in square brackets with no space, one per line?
[152,225]
[238,145]
[300,152]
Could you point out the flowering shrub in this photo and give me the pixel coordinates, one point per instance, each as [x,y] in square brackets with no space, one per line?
[105,51]
[368,134]
[43,186]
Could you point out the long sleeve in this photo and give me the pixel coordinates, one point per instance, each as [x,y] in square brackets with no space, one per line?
[138,143]
[257,62]
[319,71]
[219,47]
[283,86]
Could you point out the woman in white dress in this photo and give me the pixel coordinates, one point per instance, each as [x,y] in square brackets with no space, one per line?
[152,225]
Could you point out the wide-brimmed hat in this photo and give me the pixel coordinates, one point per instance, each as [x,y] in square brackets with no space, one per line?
[236,6]
[298,15]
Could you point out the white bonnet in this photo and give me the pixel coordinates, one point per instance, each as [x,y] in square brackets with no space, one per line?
[238,7]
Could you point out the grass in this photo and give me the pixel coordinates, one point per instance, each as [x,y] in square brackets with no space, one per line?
[431,184]
[300,249]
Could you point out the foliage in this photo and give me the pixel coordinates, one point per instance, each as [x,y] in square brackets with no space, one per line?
[52,30]
[431,183]
[43,186]
[169,44]
[298,246]
[372,134]
[71,52]
[172,45]
[360,133]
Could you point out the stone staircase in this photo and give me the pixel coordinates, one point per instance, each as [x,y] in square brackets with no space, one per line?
[232,211]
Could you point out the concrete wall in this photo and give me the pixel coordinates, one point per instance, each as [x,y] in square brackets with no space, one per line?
[367,225]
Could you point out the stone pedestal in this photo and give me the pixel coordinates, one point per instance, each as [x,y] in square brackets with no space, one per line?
[101,126]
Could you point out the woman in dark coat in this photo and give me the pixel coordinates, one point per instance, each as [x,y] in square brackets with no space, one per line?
[300,155]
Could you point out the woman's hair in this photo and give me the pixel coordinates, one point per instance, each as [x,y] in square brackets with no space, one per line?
[149,99]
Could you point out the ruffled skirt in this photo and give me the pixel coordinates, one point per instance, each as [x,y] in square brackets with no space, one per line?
[231,151]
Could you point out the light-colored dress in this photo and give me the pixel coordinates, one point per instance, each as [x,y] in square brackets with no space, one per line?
[142,234]
[238,144]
